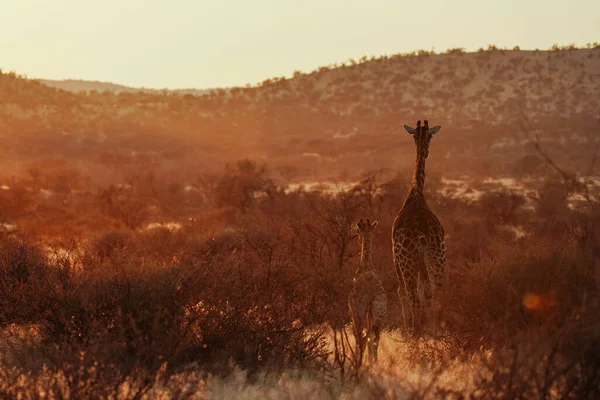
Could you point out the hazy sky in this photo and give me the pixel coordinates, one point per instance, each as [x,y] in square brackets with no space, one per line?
[209,43]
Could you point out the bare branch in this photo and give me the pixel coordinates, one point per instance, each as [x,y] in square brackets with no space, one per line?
[567,177]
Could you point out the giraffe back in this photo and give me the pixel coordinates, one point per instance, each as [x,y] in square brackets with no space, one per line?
[415,221]
[368,296]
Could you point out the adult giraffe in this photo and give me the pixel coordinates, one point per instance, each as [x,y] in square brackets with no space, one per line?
[418,236]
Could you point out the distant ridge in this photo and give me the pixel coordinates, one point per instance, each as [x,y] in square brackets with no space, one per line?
[80,85]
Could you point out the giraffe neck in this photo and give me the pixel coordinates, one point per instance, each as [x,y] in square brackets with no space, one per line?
[418,183]
[365,254]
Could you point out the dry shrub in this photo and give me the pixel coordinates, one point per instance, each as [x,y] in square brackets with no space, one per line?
[17,201]
[514,289]
[252,297]
[57,175]
[27,283]
[254,284]
[240,185]
[125,206]
[132,312]
[548,361]
[107,244]
[81,379]
[502,207]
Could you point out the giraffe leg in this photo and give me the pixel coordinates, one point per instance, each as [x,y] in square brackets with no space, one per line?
[402,298]
[404,307]
[357,315]
[435,261]
[429,286]
[407,287]
[401,292]
[362,346]
[374,342]
[369,335]
[412,298]
[379,316]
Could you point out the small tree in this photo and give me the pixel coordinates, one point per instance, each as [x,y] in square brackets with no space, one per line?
[242,185]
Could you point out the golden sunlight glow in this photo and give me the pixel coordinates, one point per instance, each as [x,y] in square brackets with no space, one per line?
[202,44]
[532,301]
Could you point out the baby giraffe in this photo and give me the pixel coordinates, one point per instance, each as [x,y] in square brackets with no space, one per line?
[368,299]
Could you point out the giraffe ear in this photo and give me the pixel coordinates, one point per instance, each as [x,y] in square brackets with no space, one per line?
[434,130]
[410,129]
[374,224]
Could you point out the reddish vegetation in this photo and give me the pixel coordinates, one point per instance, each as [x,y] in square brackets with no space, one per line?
[253,275]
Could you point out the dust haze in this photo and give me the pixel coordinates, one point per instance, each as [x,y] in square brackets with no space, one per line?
[201,243]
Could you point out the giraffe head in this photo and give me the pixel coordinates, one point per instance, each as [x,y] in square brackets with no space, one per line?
[422,136]
[365,229]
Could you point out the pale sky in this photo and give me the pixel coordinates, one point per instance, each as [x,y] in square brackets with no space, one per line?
[212,43]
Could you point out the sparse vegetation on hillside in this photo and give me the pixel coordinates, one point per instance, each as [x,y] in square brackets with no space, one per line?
[333,115]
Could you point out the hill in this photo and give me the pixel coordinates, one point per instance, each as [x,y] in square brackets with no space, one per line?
[490,104]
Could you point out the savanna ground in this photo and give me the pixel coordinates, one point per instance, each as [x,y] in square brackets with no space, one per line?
[235,286]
